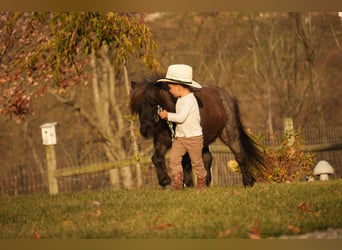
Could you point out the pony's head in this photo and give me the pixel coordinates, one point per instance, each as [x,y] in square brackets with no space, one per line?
[145,98]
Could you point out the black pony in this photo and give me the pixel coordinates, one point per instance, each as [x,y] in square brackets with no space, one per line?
[220,118]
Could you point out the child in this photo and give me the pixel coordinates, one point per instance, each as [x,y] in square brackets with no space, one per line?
[189,136]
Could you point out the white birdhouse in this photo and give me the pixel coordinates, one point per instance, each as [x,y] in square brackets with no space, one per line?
[49,133]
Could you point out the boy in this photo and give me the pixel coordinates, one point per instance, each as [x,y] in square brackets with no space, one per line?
[189,136]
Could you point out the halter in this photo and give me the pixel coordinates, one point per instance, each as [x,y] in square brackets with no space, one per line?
[173,135]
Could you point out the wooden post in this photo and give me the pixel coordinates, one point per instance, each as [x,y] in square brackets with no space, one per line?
[289,133]
[114,178]
[51,168]
[50,140]
[289,130]
[127,178]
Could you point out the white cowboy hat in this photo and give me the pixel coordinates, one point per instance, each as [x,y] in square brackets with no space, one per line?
[180,74]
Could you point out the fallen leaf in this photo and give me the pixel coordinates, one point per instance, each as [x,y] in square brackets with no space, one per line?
[96,203]
[156,219]
[36,235]
[163,226]
[336,191]
[30,79]
[254,232]
[96,214]
[160,226]
[294,229]
[224,233]
[318,213]
[69,224]
[304,207]
[254,236]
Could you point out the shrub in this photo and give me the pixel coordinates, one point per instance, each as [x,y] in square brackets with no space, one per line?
[288,162]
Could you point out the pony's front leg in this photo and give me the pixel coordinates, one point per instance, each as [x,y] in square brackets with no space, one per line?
[158,159]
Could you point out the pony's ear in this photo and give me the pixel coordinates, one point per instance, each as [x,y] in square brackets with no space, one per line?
[133,84]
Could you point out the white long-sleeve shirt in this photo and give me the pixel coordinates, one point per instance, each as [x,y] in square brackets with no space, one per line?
[187,117]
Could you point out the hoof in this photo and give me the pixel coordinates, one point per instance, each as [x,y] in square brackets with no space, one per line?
[249,183]
[164,182]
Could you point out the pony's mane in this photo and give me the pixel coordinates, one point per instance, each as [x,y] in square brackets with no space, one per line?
[138,90]
[163,97]
[136,94]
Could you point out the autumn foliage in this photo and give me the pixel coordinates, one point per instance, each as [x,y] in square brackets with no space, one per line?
[51,50]
[288,162]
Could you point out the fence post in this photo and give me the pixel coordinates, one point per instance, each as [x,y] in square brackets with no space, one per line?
[289,133]
[50,140]
[289,130]
[114,178]
[127,178]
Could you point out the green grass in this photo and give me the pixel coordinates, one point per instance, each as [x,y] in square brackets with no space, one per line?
[266,211]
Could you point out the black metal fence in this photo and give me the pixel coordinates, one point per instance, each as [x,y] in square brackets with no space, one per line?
[25,180]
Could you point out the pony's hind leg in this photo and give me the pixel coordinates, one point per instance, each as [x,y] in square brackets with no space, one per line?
[247,177]
[235,146]
[187,168]
[234,136]
[207,160]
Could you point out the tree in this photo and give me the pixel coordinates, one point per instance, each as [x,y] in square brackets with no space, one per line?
[51,50]
[262,58]
[55,51]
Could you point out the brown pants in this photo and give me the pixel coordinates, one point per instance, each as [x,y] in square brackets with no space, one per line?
[192,145]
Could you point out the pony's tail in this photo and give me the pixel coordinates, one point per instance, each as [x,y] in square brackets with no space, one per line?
[250,147]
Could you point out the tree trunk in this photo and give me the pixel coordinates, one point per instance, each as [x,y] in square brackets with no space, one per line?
[133,135]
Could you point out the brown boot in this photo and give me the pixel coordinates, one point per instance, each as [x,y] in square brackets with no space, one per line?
[177,182]
[201,184]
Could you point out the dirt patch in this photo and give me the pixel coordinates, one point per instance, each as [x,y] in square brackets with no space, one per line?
[330,233]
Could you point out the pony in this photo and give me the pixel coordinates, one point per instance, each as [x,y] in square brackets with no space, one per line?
[220,118]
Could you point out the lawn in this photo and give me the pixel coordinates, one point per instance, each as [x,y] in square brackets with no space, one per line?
[264,211]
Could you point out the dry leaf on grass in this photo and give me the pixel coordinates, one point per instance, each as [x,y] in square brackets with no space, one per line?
[254,236]
[304,207]
[36,235]
[96,214]
[160,226]
[224,233]
[294,229]
[318,213]
[254,232]
[163,226]
[68,224]
[96,203]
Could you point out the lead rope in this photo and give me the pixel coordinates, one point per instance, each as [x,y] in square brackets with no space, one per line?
[173,135]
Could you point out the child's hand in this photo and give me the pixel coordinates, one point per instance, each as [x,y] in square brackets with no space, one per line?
[163,114]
